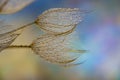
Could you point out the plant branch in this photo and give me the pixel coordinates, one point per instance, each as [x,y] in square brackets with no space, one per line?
[19,46]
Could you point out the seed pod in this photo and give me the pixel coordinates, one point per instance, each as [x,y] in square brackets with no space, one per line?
[13,6]
[56,49]
[59,20]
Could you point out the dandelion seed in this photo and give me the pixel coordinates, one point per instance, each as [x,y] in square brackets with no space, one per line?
[13,6]
[55,45]
[56,49]
[59,20]
[56,20]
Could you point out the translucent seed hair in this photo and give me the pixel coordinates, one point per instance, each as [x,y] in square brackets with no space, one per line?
[56,49]
[58,20]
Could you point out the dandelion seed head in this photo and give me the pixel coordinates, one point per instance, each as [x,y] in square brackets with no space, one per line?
[54,49]
[58,20]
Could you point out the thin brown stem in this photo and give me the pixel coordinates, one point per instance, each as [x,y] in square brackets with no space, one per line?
[19,46]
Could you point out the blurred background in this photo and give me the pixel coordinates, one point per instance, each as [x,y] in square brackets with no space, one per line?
[99,34]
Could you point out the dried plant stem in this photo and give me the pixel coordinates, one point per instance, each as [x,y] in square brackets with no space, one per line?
[19,46]
[30,46]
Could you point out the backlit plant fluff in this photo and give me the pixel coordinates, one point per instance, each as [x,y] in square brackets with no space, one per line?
[59,20]
[56,48]
[55,45]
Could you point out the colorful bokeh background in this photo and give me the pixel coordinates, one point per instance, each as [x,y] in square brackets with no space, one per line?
[99,33]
